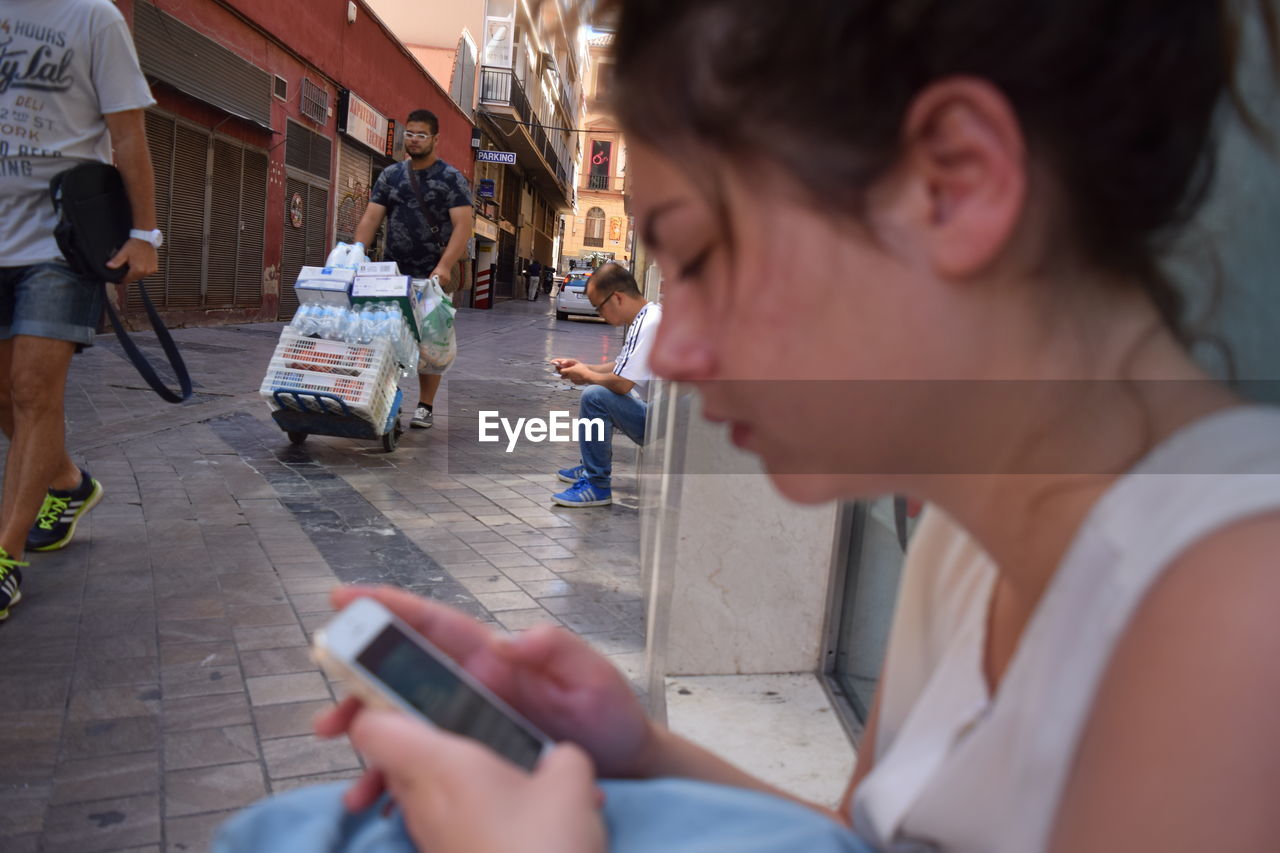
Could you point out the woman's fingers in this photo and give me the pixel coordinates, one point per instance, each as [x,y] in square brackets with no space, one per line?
[336,720]
[454,632]
[365,792]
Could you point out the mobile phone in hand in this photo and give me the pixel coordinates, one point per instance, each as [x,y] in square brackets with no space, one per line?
[389,665]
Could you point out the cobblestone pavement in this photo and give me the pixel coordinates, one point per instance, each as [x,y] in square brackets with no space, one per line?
[156,675]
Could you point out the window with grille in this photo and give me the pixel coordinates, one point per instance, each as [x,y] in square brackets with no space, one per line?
[282,88]
[595,228]
[309,151]
[315,102]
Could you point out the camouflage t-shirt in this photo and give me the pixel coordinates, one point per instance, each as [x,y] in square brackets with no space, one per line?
[410,242]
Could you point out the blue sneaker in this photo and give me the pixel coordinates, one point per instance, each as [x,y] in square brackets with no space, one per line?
[582,493]
[571,475]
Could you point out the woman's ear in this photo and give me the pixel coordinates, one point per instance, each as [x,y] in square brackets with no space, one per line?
[965,152]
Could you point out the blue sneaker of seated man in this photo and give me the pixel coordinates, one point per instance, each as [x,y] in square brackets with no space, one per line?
[571,475]
[582,493]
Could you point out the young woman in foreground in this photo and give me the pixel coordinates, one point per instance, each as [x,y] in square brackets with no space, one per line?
[913,247]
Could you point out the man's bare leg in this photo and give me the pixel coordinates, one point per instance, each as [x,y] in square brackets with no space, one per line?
[428,385]
[31,411]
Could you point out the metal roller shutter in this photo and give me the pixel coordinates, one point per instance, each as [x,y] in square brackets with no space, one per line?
[352,193]
[317,233]
[187,218]
[253,226]
[224,225]
[160,142]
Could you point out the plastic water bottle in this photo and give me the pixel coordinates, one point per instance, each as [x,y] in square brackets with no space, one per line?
[304,319]
[356,256]
[338,257]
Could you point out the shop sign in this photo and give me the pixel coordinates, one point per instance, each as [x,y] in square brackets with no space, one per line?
[358,120]
[506,157]
[486,188]
[295,210]
[389,149]
[486,228]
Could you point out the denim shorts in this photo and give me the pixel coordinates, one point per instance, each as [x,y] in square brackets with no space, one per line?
[49,300]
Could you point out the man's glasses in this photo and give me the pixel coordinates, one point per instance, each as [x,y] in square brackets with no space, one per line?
[409,134]
[603,302]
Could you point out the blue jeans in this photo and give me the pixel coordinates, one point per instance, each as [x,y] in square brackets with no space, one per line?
[616,410]
[49,300]
[647,816]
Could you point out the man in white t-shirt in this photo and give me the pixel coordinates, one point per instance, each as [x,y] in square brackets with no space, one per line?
[70,91]
[617,391]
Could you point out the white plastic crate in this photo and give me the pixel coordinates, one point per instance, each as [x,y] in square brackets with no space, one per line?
[367,392]
[321,356]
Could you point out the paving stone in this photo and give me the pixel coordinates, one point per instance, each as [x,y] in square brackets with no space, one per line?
[271,637]
[307,755]
[277,661]
[206,789]
[103,778]
[496,601]
[262,615]
[102,825]
[489,583]
[519,620]
[203,712]
[90,738]
[113,703]
[279,689]
[22,809]
[195,832]
[277,721]
[205,747]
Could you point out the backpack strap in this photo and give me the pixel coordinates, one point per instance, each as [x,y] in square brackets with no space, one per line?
[166,342]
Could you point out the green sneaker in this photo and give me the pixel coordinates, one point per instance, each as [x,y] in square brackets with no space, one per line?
[56,523]
[10,581]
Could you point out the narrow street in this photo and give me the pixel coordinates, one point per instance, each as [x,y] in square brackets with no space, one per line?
[156,675]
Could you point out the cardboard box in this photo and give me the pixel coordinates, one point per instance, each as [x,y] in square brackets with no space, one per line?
[390,288]
[379,268]
[324,284]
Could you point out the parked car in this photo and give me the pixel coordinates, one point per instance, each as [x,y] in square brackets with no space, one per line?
[572,296]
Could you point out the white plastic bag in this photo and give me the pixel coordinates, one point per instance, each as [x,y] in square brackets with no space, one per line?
[439,344]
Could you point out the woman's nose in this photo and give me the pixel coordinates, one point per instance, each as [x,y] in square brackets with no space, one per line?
[684,348]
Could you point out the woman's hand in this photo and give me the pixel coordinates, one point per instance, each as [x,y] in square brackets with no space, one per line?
[457,795]
[551,676]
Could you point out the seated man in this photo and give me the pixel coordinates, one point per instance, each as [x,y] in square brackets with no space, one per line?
[616,391]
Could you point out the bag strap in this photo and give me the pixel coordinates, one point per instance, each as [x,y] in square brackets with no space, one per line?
[432,224]
[140,361]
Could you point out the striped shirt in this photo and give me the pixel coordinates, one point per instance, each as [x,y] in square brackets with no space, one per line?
[633,360]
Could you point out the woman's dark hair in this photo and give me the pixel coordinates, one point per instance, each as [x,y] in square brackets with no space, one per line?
[1117,97]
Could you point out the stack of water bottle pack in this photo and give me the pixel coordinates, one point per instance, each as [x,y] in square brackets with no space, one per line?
[355,351]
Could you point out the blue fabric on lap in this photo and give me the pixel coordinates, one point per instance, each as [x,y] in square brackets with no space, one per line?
[646,816]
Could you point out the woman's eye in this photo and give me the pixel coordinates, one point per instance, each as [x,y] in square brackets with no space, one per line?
[694,267]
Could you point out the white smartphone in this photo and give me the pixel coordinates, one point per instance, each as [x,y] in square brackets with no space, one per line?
[390,665]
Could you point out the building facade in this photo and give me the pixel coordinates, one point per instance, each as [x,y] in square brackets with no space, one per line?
[600,226]
[517,68]
[272,122]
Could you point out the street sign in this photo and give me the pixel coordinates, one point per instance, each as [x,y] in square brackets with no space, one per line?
[486,188]
[486,156]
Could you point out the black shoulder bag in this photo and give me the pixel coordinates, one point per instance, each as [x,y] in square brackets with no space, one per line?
[94,220]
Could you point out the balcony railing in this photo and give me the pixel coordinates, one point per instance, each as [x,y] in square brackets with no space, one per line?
[501,86]
[602,183]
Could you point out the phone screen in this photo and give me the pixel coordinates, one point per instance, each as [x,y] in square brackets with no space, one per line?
[449,702]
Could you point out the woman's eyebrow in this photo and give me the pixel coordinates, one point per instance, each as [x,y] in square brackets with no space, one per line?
[648,228]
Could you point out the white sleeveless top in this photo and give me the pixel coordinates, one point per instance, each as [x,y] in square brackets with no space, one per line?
[959,770]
